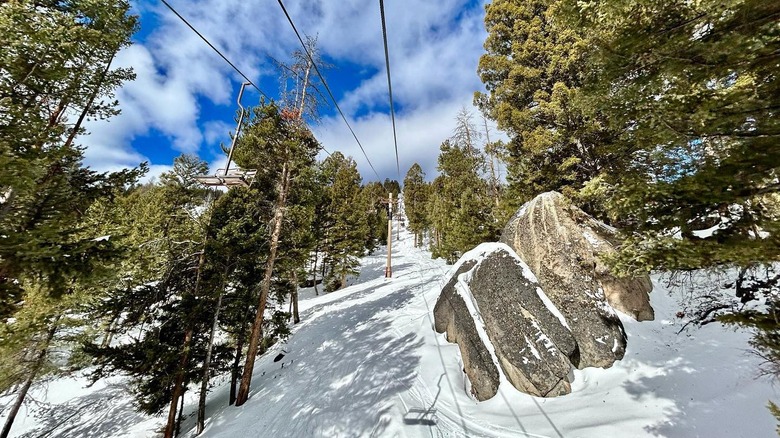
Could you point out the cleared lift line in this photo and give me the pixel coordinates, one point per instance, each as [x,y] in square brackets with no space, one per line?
[327,88]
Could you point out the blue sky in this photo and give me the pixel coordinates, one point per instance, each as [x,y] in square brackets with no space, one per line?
[183,98]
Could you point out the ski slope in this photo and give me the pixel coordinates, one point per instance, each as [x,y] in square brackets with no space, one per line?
[362,358]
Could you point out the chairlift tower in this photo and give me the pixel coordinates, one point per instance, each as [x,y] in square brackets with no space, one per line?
[234,177]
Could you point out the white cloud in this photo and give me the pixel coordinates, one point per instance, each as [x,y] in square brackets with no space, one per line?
[218,131]
[155,171]
[420,133]
[434,50]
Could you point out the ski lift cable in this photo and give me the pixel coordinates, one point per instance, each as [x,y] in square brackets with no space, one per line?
[214,48]
[327,88]
[390,86]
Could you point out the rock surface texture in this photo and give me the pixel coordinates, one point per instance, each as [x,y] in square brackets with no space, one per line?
[530,308]
[561,244]
[452,315]
[508,313]
[560,241]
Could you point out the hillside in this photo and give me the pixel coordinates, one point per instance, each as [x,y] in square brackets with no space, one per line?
[363,357]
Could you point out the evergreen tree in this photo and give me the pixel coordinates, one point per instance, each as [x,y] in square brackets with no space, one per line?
[533,71]
[415,199]
[460,207]
[350,228]
[438,211]
[392,186]
[240,224]
[694,90]
[55,62]
[296,248]
[282,148]
[371,196]
[160,296]
[321,223]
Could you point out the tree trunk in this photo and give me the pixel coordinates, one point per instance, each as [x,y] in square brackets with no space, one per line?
[236,362]
[343,279]
[322,273]
[181,411]
[303,91]
[493,177]
[30,379]
[204,384]
[265,287]
[109,333]
[296,317]
[314,269]
[178,386]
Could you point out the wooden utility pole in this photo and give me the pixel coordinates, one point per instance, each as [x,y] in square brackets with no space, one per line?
[389,266]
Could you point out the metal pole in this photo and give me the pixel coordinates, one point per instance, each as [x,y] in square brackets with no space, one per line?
[238,127]
[388,267]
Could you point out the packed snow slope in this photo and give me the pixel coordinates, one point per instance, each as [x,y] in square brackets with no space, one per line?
[366,358]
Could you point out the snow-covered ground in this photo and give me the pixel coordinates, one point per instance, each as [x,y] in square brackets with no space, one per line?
[363,357]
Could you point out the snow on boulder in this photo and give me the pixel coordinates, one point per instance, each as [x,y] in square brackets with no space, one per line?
[452,315]
[562,244]
[493,304]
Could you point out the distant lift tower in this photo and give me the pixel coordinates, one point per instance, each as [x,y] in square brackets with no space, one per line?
[234,177]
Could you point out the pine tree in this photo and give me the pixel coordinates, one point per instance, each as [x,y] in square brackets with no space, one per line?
[240,224]
[349,229]
[296,248]
[371,196]
[415,199]
[282,148]
[533,71]
[459,207]
[51,68]
[392,186]
[321,223]
[438,211]
[55,62]
[694,90]
[161,290]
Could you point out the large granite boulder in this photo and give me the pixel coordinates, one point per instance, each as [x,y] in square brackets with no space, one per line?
[492,303]
[452,315]
[548,224]
[561,244]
